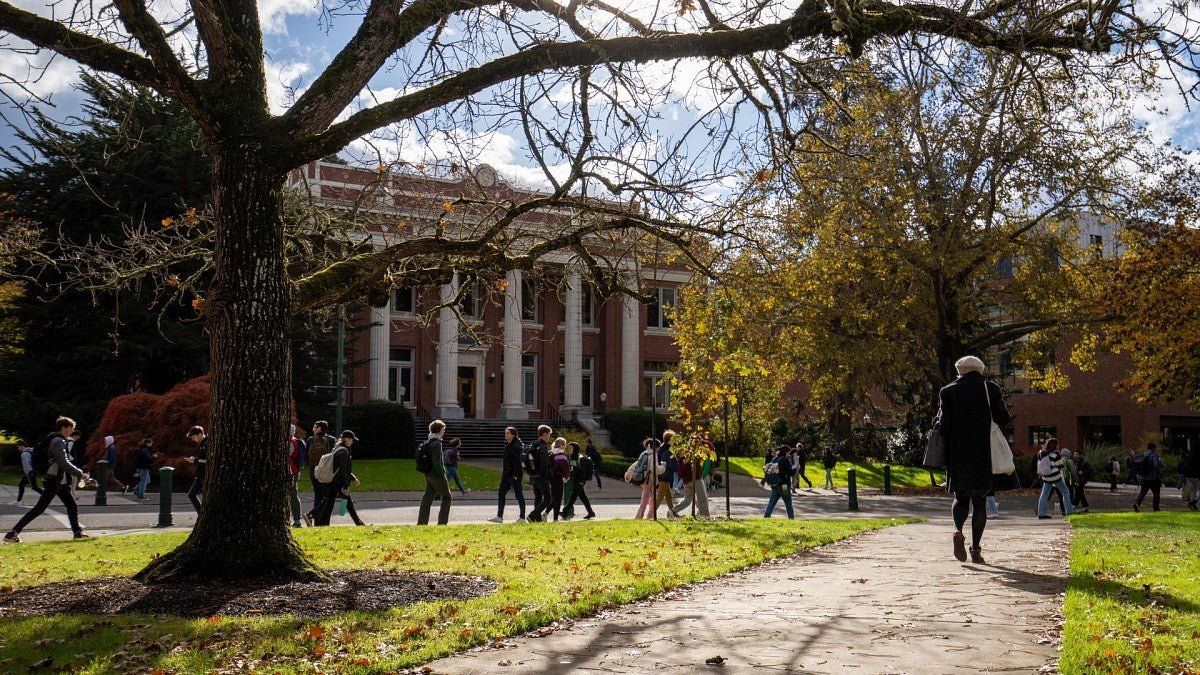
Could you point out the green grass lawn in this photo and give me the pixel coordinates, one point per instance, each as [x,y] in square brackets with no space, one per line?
[1133,599]
[868,474]
[545,573]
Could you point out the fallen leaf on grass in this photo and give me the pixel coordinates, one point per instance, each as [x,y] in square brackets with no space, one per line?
[715,661]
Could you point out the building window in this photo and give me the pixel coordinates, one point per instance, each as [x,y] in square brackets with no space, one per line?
[529,301]
[400,375]
[656,389]
[1040,433]
[587,302]
[1096,243]
[404,300]
[469,304]
[585,381]
[529,380]
[1004,268]
[659,309]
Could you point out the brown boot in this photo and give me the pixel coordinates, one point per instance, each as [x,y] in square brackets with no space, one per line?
[977,556]
[960,549]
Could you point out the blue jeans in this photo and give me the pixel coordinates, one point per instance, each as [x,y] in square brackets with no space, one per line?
[143,482]
[778,491]
[1061,484]
[452,473]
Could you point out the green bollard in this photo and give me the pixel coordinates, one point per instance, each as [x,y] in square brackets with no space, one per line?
[102,483]
[887,479]
[852,483]
[166,479]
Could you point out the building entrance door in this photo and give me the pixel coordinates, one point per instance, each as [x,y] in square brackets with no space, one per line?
[466,391]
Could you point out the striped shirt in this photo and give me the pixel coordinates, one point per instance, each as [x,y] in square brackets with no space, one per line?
[1056,466]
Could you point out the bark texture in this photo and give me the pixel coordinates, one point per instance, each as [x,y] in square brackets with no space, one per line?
[248,319]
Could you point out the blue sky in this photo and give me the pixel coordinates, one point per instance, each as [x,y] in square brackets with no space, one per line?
[301,40]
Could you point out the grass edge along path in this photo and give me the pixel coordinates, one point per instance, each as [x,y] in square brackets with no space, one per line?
[546,573]
[1133,598]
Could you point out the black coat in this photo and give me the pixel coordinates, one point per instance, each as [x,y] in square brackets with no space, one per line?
[513,452]
[966,427]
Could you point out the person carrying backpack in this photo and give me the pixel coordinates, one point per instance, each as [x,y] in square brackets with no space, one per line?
[435,477]
[1148,468]
[1051,467]
[537,466]
[780,482]
[560,473]
[343,476]
[451,461]
[581,473]
[59,471]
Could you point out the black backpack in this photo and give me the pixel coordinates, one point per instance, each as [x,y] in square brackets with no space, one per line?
[533,467]
[40,456]
[583,472]
[424,457]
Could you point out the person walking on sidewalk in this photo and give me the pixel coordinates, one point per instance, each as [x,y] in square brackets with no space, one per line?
[58,481]
[297,452]
[643,469]
[1148,468]
[1114,473]
[829,461]
[319,443]
[1189,468]
[560,473]
[581,473]
[1082,476]
[778,474]
[200,460]
[435,478]
[110,456]
[597,462]
[969,405]
[343,476]
[452,456]
[800,455]
[537,466]
[510,475]
[1051,467]
[28,475]
[143,462]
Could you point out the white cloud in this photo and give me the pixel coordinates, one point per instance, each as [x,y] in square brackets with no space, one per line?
[282,83]
[273,14]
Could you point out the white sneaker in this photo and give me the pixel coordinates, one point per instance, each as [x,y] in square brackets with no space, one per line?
[495,520]
[16,502]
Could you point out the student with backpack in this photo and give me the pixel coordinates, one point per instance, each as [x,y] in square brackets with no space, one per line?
[435,475]
[560,473]
[537,467]
[338,469]
[1051,467]
[582,469]
[510,475]
[639,473]
[1148,468]
[778,474]
[28,475]
[50,458]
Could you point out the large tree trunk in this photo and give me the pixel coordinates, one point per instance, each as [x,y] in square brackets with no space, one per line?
[243,530]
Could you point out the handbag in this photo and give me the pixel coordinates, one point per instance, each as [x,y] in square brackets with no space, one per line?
[1002,457]
[935,450]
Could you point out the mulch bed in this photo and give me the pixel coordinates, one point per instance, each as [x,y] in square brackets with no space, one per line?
[367,590]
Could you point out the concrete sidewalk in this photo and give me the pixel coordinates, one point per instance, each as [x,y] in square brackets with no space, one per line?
[890,601]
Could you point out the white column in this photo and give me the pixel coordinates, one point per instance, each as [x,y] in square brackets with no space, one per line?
[573,345]
[631,349]
[511,405]
[381,344]
[446,405]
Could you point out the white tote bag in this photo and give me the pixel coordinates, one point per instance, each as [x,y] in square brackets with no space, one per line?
[1002,457]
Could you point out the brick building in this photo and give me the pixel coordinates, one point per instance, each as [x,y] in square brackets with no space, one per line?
[532,345]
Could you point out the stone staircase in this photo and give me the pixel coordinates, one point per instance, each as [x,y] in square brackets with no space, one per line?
[485,438]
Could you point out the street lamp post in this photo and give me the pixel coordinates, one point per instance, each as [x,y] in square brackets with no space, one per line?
[728,512]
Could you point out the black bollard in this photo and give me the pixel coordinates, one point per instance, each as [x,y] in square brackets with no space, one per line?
[887,479]
[852,482]
[102,483]
[166,480]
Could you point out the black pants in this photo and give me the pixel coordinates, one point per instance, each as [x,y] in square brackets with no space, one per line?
[975,502]
[194,492]
[1154,486]
[577,492]
[60,487]
[319,491]
[29,479]
[1112,483]
[541,497]
[325,516]
[328,500]
[800,474]
[1077,497]
[556,496]
[509,483]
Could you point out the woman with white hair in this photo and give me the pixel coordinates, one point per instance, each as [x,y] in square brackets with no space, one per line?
[969,405]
